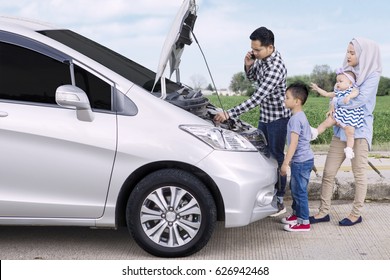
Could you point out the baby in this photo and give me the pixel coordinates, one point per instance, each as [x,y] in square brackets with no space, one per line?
[348,119]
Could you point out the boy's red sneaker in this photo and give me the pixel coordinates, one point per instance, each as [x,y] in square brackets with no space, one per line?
[290,220]
[297,227]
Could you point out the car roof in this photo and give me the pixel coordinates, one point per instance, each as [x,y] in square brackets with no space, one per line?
[8,22]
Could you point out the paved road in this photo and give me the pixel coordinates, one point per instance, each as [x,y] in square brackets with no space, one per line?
[263,240]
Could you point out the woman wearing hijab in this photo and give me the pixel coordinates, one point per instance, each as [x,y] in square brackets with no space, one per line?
[363,59]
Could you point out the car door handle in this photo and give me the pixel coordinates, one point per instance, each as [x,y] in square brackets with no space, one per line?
[3,114]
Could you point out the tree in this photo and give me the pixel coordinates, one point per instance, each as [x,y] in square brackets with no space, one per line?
[323,76]
[241,85]
[384,87]
[198,81]
[210,87]
[301,78]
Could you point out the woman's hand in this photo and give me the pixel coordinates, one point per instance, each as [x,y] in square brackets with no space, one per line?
[331,111]
[346,99]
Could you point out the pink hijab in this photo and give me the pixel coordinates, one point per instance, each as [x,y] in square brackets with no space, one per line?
[369,57]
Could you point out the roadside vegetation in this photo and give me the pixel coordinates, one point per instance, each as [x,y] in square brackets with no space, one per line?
[315,110]
[316,106]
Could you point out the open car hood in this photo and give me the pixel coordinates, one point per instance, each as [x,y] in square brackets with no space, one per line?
[178,36]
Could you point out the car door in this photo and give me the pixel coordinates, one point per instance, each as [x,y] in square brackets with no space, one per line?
[53,165]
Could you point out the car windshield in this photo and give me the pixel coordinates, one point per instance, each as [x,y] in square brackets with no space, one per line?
[118,63]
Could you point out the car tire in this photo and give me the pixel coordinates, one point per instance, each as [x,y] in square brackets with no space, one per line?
[167,227]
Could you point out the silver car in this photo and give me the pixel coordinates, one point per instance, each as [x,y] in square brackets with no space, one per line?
[90,138]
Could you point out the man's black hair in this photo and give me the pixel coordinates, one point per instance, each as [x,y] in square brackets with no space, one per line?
[299,90]
[264,35]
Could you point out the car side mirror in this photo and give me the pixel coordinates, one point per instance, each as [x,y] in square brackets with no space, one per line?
[72,97]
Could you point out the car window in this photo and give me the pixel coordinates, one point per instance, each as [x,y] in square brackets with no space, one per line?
[98,91]
[30,76]
[125,67]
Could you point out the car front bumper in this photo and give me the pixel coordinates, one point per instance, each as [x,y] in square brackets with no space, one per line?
[246,181]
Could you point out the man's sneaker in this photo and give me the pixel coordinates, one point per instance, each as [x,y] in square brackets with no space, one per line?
[290,220]
[281,209]
[297,227]
[349,154]
[314,133]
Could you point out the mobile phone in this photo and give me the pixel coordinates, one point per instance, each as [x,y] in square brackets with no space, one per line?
[253,56]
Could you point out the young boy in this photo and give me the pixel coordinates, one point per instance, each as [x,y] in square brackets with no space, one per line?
[299,157]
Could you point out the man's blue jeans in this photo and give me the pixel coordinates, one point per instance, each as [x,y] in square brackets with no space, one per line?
[275,132]
[300,176]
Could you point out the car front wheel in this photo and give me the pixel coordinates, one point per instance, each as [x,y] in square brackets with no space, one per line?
[171,213]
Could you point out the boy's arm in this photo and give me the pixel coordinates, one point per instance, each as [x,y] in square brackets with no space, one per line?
[321,91]
[290,153]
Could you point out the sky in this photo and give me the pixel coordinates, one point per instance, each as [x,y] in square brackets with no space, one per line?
[307,32]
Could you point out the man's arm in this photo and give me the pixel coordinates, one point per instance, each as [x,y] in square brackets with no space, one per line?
[269,81]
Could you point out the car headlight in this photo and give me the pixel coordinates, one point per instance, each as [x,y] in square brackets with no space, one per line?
[219,138]
[257,138]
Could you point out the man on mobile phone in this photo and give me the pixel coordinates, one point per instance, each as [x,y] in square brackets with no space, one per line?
[265,67]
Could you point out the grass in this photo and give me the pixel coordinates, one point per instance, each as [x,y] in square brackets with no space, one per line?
[315,110]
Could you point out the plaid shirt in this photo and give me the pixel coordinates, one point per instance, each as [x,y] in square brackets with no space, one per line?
[270,77]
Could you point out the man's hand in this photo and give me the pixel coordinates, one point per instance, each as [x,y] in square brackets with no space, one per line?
[221,116]
[248,60]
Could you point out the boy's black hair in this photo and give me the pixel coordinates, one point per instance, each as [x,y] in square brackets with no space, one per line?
[264,35]
[299,90]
